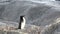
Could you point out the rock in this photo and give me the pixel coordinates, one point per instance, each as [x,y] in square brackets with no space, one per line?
[50,29]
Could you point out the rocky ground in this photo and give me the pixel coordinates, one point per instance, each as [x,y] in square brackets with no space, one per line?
[29,29]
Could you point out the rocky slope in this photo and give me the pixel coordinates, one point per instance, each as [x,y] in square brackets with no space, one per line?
[36,12]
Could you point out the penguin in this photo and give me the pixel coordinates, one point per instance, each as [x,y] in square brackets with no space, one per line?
[22,22]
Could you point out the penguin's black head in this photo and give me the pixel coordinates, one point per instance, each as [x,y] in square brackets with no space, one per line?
[21,18]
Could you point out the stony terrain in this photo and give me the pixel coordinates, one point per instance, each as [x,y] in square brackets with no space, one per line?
[29,29]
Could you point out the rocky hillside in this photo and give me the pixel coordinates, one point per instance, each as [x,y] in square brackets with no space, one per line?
[38,13]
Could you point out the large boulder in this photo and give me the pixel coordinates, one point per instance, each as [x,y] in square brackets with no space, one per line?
[36,13]
[52,28]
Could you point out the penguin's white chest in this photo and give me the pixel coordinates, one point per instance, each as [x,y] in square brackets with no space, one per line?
[23,23]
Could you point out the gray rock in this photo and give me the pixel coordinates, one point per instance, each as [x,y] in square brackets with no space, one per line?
[51,29]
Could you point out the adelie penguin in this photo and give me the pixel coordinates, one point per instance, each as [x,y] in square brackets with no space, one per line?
[22,22]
